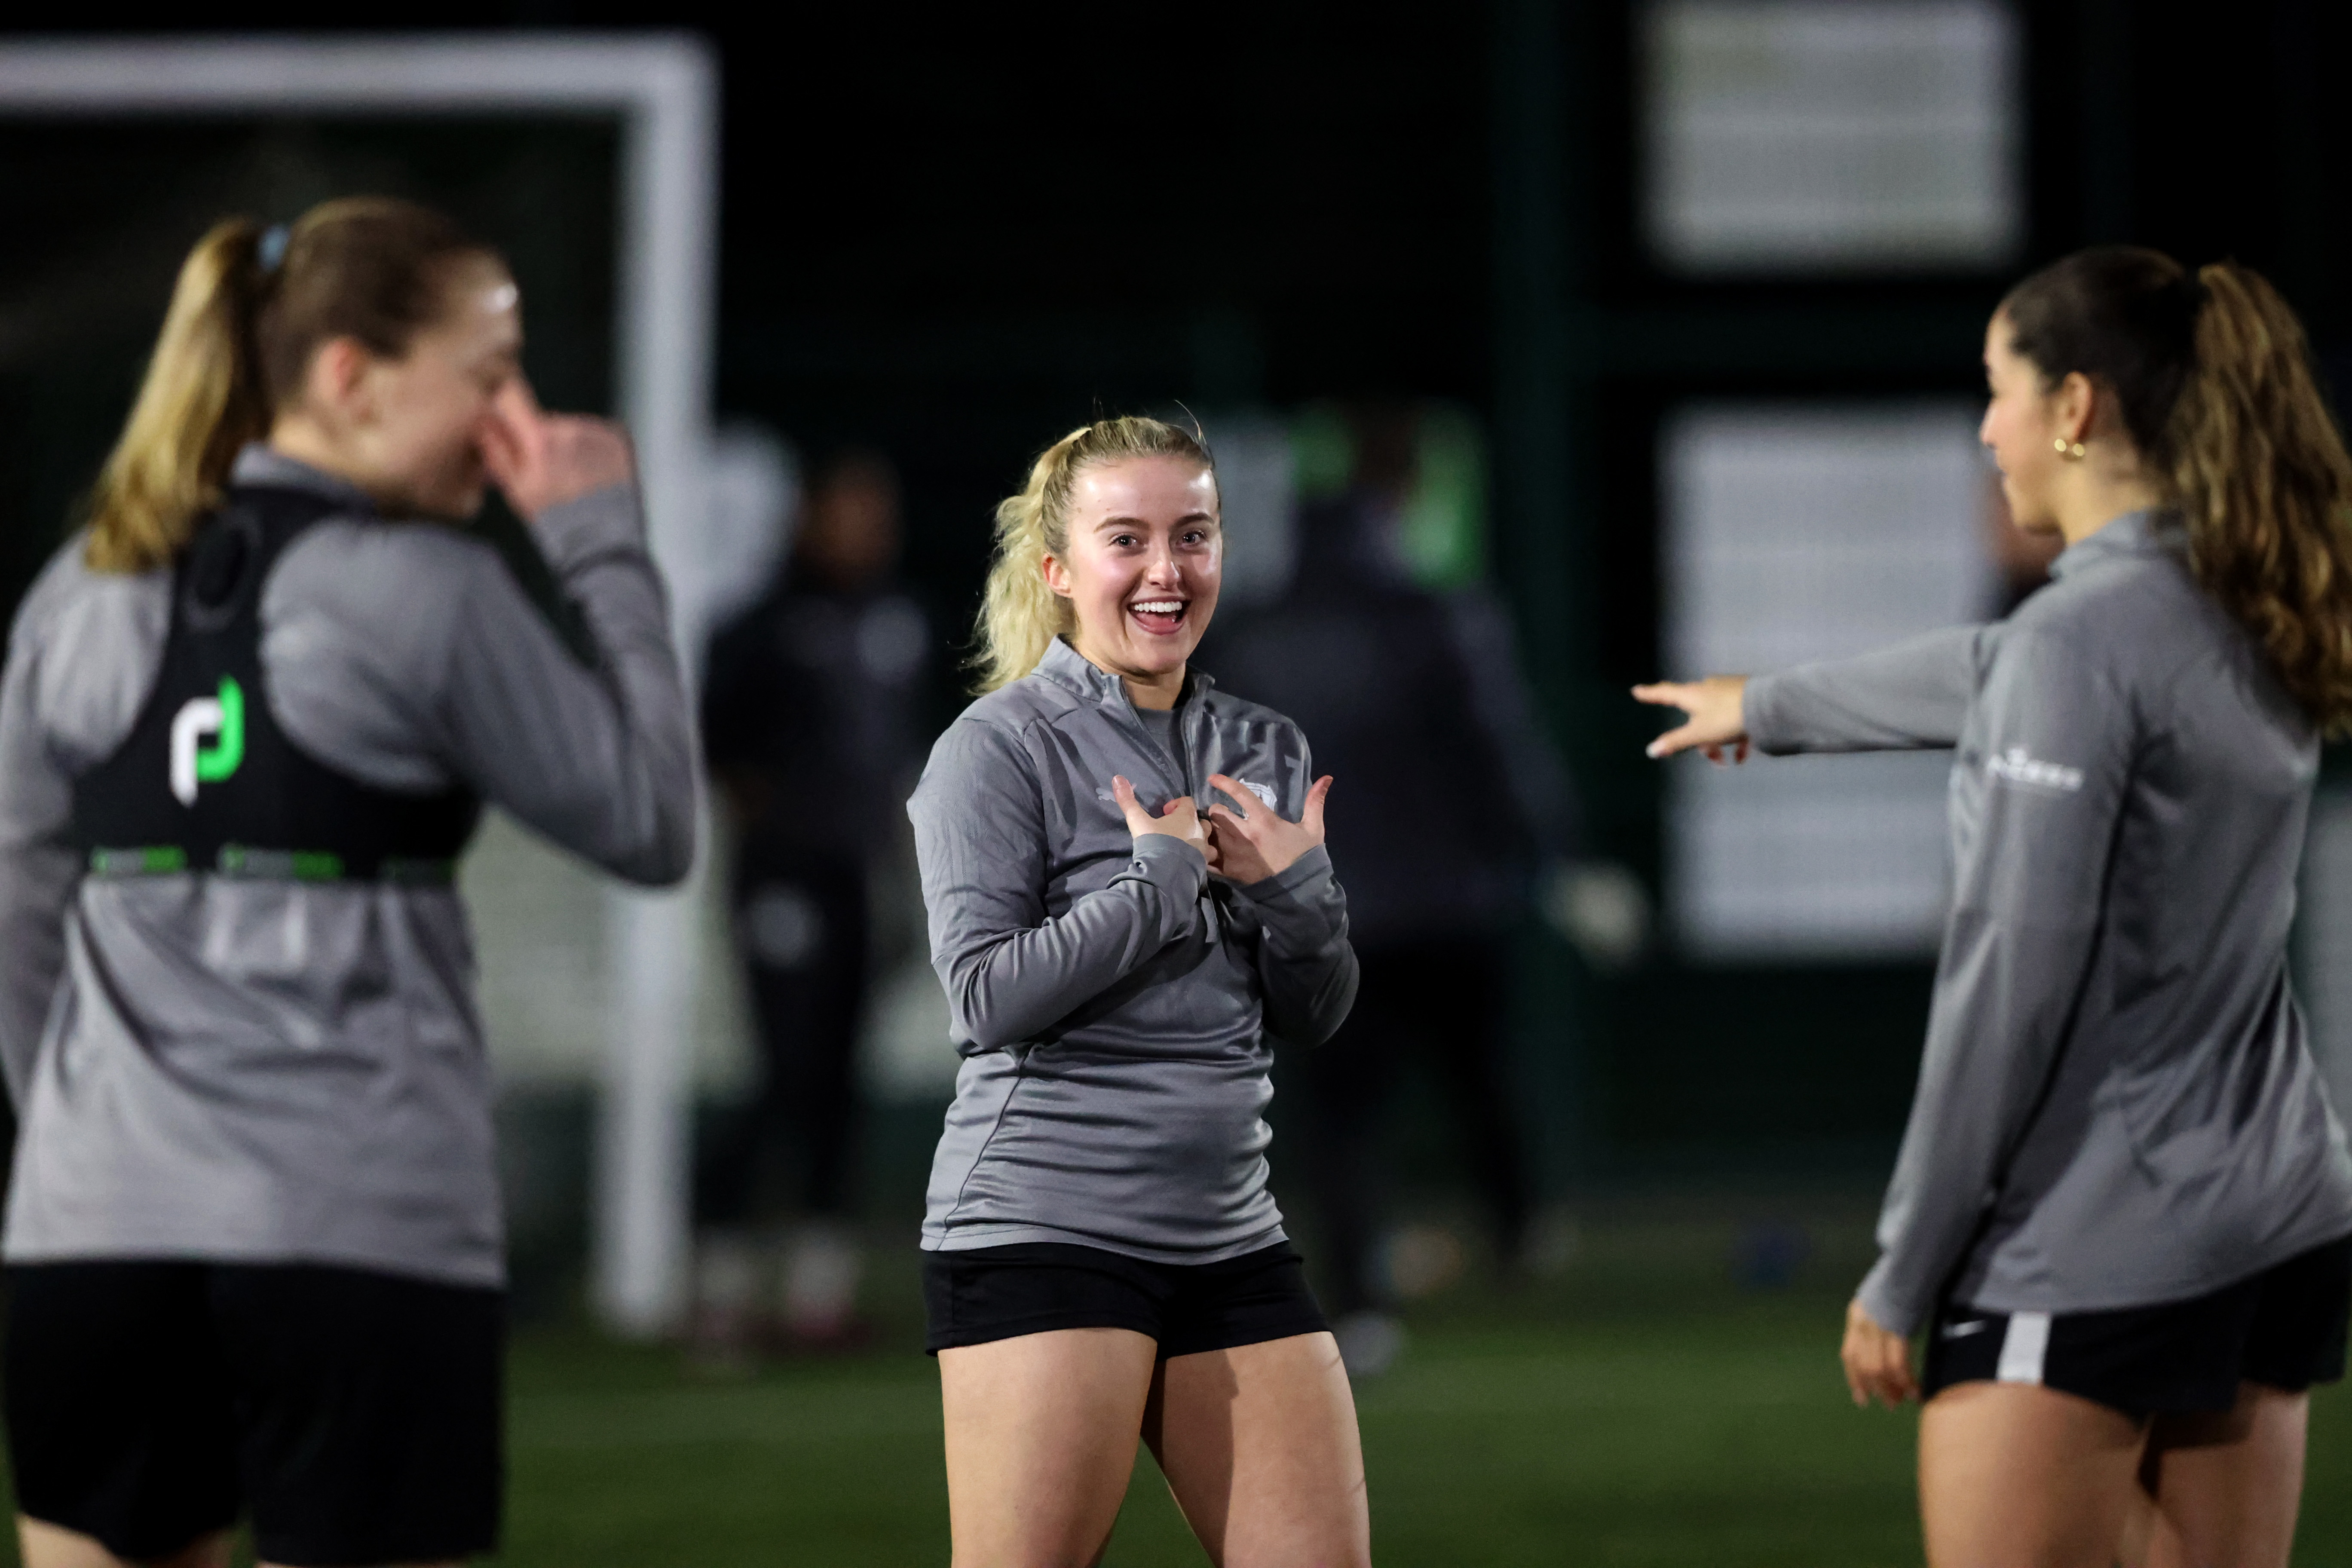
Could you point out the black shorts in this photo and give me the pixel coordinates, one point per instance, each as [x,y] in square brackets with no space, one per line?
[1001,1292]
[2285,1329]
[355,1414]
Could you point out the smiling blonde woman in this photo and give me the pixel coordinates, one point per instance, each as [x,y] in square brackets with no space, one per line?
[1102,1259]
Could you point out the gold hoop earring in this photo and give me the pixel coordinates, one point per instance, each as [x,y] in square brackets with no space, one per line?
[2070,450]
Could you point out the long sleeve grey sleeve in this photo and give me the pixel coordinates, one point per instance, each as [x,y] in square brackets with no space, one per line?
[406,636]
[1911,696]
[1012,970]
[1306,967]
[2028,891]
[605,765]
[38,870]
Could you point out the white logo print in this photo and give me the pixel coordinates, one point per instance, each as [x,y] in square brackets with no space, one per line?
[2013,766]
[197,718]
[1264,792]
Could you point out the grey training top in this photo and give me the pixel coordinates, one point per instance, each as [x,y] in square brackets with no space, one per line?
[275,1071]
[2117,1106]
[1108,994]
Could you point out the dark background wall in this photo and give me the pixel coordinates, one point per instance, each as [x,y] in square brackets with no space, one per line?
[957,232]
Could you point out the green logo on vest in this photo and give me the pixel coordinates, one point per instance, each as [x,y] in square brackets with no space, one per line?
[193,759]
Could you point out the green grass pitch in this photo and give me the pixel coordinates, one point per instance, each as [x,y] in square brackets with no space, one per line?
[1641,1411]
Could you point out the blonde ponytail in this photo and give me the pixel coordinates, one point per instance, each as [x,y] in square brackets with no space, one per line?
[200,400]
[1020,615]
[237,345]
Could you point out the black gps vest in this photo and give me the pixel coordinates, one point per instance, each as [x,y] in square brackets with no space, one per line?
[208,781]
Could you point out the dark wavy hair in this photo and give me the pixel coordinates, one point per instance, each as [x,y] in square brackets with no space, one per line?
[2213,378]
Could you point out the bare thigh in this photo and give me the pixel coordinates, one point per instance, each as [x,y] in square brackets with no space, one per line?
[1260,1449]
[2225,1487]
[1041,1432]
[45,1545]
[2016,1476]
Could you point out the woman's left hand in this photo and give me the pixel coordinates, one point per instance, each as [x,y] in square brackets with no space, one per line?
[1877,1361]
[1257,843]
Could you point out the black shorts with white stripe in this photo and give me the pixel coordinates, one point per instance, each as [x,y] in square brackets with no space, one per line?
[2284,1328]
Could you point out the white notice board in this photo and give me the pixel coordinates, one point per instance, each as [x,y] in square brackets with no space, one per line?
[1790,534]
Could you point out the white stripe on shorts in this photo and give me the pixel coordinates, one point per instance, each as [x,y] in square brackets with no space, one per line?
[2024,1347]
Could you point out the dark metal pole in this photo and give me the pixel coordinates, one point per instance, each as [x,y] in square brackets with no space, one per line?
[1531,397]
[1537,424]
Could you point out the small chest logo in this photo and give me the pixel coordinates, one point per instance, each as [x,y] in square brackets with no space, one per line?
[193,760]
[1264,792]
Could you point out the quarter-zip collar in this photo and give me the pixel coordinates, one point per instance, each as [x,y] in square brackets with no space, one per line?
[2147,531]
[259,464]
[1068,667]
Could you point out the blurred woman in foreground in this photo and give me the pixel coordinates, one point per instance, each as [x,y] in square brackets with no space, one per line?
[249,718]
[2123,1210]
[1103,1260]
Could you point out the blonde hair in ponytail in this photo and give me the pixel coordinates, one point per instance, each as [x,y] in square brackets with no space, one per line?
[2213,379]
[200,400]
[1020,615]
[237,345]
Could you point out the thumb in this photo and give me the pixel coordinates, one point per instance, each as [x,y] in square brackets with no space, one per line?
[500,438]
[1681,739]
[1138,819]
[1317,793]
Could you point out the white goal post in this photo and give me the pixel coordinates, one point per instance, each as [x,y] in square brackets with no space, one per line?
[662,90]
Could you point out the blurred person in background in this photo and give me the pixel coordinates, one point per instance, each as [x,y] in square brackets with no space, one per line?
[2123,1209]
[1102,1260]
[1394,679]
[249,717]
[811,730]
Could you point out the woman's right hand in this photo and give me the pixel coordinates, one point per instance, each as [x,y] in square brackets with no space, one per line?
[1714,720]
[1877,1361]
[1179,819]
[542,460]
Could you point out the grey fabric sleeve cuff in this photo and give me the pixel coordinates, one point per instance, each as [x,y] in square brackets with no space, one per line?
[599,523]
[1877,1296]
[1760,716]
[1285,885]
[1172,867]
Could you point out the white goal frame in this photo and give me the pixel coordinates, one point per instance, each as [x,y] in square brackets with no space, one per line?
[663,90]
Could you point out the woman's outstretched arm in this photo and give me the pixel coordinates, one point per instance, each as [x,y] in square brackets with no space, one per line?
[1913,695]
